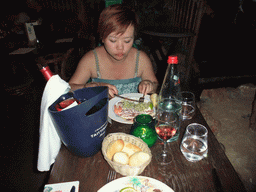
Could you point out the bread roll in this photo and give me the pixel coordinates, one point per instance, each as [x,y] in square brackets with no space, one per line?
[130,149]
[121,157]
[113,147]
[138,158]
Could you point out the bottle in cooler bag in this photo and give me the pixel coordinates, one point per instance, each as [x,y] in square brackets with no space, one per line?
[47,73]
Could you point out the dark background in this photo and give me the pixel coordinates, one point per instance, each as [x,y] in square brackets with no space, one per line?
[225,52]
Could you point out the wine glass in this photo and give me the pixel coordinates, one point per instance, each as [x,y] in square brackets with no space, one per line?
[167,124]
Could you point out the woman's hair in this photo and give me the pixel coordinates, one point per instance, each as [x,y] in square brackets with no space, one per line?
[116,18]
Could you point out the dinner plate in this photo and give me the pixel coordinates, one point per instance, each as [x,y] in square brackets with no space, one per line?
[139,183]
[115,100]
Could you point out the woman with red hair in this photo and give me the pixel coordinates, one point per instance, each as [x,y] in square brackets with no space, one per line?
[116,64]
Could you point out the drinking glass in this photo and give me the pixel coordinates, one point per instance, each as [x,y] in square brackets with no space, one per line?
[167,124]
[194,144]
[187,100]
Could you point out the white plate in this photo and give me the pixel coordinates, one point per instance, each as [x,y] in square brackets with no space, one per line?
[140,183]
[113,101]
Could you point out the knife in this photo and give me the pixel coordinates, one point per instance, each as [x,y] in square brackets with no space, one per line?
[127,98]
[216,180]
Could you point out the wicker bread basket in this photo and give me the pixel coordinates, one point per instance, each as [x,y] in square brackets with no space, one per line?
[126,170]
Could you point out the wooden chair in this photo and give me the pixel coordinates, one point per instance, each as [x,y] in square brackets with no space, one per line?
[187,15]
[59,61]
[180,22]
[22,86]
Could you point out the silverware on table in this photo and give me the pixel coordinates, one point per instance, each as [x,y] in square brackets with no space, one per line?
[141,99]
[127,98]
[111,176]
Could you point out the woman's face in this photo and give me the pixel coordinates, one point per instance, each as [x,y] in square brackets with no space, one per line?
[119,45]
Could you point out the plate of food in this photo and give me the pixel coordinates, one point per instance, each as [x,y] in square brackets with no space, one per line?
[124,111]
[135,184]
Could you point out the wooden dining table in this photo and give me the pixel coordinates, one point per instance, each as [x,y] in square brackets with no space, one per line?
[214,173]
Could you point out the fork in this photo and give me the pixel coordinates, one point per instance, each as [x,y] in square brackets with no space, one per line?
[111,176]
[141,99]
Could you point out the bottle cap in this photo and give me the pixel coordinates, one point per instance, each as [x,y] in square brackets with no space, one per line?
[172,59]
[46,72]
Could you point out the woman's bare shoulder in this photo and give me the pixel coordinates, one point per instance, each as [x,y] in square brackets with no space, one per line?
[144,58]
[88,58]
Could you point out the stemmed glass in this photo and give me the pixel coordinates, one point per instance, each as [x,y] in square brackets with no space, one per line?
[167,123]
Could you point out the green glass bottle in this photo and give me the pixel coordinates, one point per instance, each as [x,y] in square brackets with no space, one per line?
[144,128]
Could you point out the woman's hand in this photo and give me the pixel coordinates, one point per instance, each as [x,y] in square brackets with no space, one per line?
[147,86]
[112,90]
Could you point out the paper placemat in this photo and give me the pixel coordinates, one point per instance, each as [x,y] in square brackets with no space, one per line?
[62,187]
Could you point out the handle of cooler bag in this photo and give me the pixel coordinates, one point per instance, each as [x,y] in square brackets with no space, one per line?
[88,104]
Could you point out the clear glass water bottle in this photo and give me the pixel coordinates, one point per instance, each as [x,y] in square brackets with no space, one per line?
[168,96]
[171,84]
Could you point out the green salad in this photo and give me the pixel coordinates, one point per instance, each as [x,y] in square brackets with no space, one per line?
[137,106]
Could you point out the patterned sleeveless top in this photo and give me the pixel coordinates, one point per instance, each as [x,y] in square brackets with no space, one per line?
[123,85]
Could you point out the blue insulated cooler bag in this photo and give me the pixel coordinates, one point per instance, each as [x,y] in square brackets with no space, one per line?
[82,128]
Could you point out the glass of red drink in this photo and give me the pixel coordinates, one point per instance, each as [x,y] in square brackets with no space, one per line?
[167,124]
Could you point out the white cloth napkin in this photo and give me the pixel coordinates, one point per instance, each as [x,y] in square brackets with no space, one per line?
[49,141]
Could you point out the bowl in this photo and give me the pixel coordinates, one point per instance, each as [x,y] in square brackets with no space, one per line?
[126,170]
